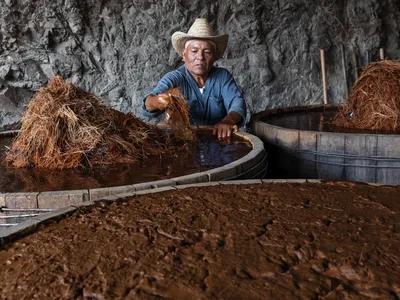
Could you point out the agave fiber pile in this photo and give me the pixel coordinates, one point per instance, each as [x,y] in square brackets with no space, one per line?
[374,102]
[66,127]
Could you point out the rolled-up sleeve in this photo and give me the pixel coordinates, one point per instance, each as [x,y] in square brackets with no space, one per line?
[233,98]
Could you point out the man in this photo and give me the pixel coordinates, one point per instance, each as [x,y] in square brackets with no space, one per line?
[211,92]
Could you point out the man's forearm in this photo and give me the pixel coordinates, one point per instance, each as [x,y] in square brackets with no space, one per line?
[234,117]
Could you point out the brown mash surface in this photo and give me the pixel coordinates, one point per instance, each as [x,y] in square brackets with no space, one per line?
[332,240]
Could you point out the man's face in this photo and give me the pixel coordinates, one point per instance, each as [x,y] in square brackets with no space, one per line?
[199,57]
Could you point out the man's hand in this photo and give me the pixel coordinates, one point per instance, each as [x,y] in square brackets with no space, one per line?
[228,125]
[158,102]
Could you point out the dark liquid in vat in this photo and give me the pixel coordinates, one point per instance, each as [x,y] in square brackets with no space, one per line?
[314,121]
[205,154]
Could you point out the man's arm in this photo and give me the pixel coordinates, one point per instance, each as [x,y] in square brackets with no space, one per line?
[155,101]
[230,123]
[235,106]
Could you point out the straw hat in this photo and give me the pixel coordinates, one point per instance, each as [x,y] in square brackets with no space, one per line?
[202,30]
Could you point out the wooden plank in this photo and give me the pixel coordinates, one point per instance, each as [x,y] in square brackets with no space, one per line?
[306,164]
[287,138]
[363,145]
[330,147]
[268,133]
[388,146]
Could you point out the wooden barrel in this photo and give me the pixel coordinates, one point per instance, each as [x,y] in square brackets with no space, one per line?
[294,153]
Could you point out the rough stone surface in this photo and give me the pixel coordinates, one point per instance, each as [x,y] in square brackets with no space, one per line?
[120,49]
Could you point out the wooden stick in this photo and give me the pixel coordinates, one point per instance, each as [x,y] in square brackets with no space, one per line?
[382,54]
[323,70]
[367,58]
[344,71]
[355,67]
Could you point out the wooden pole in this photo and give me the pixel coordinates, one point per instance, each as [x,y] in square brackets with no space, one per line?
[367,58]
[323,70]
[355,67]
[382,54]
[344,71]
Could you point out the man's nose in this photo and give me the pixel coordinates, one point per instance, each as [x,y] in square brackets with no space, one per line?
[200,55]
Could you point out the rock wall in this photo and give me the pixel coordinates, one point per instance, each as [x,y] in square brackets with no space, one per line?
[118,49]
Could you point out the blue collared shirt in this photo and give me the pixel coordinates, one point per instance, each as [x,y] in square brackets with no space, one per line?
[220,96]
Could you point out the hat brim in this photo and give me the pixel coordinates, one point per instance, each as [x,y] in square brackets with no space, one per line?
[179,39]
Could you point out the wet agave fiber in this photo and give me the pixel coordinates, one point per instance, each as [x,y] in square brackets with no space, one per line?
[66,127]
[178,115]
[374,102]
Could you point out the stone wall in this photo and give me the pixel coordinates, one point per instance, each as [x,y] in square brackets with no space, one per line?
[118,49]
